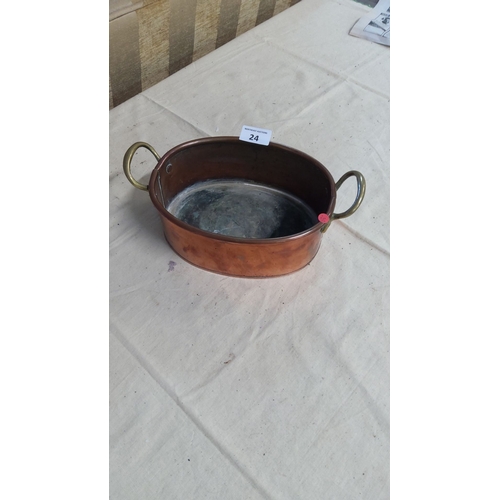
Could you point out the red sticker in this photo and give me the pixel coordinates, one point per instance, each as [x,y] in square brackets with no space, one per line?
[323,218]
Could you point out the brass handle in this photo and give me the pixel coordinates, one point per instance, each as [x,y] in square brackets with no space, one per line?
[357,202]
[127,159]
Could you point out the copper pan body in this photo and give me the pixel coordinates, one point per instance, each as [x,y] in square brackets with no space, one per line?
[280,167]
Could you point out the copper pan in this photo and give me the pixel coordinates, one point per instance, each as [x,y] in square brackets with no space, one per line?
[242,209]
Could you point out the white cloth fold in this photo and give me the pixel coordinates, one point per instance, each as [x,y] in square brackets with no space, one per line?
[231,388]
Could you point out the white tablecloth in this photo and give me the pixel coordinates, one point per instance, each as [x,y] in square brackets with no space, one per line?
[232,388]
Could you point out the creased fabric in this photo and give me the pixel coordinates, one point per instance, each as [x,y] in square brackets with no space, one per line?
[232,388]
[151,39]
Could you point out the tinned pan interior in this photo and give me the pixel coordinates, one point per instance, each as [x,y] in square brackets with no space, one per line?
[277,166]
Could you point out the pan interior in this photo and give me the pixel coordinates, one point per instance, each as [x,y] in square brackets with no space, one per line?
[242,209]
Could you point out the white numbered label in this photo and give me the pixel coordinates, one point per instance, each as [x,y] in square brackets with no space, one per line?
[256,135]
